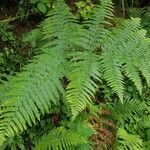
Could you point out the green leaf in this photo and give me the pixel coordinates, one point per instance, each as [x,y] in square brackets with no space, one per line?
[42,7]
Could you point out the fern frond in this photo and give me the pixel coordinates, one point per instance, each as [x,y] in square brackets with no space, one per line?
[13,143]
[143,56]
[101,13]
[123,54]
[123,51]
[128,110]
[4,89]
[112,72]
[82,86]
[130,68]
[145,122]
[129,26]
[2,138]
[133,57]
[60,27]
[128,141]
[91,38]
[38,87]
[60,139]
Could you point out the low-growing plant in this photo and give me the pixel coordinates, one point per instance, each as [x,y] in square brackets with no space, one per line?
[144,14]
[84,8]
[27,7]
[15,52]
[76,63]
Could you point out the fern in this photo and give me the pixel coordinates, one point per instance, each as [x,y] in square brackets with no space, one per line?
[129,110]
[13,143]
[123,55]
[112,72]
[128,141]
[59,28]
[143,53]
[84,54]
[39,86]
[90,39]
[81,90]
[60,139]
[28,101]
[146,121]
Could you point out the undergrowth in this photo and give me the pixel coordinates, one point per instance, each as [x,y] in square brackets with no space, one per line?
[84,83]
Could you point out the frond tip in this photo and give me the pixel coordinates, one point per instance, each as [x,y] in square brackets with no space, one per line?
[82,87]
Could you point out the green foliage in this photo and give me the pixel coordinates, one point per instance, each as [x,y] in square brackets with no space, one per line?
[144,14]
[122,55]
[145,21]
[41,5]
[32,37]
[10,61]
[128,141]
[60,138]
[135,12]
[128,111]
[28,110]
[84,8]
[15,51]
[74,61]
[11,57]
[5,33]
[132,116]
[125,4]
[14,143]
[27,7]
[80,91]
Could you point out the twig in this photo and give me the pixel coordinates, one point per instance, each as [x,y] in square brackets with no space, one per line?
[15,18]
